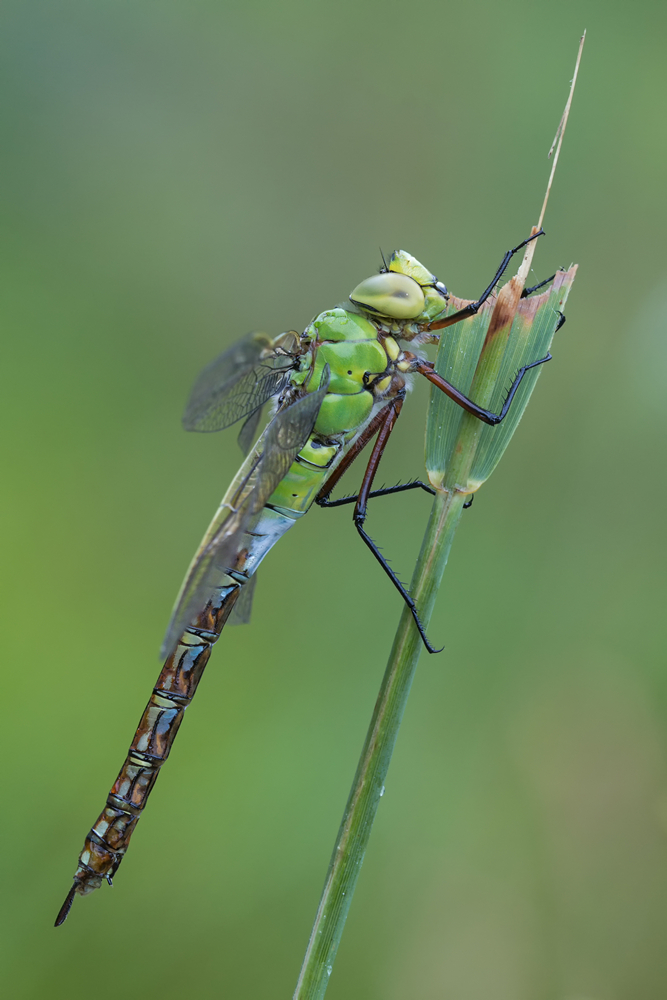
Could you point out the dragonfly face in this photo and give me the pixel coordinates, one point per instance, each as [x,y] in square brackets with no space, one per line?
[403,298]
[390,294]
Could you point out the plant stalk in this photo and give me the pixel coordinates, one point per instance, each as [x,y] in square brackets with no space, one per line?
[368,785]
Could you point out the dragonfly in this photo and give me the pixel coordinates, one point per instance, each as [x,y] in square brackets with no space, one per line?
[334,388]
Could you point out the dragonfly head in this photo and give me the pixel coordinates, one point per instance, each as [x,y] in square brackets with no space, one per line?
[389,294]
[403,290]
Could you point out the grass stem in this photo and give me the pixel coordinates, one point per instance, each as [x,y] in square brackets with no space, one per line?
[368,785]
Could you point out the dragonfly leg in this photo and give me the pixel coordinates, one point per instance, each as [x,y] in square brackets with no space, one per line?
[529,291]
[386,491]
[391,416]
[427,369]
[474,307]
[399,586]
[369,431]
[383,422]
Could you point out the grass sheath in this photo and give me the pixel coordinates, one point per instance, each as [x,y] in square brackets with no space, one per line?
[479,356]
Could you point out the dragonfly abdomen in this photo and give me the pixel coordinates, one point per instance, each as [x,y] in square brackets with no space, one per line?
[109,837]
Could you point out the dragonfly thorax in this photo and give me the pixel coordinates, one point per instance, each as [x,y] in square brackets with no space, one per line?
[361,366]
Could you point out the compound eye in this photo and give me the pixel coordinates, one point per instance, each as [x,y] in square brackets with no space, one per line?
[390,294]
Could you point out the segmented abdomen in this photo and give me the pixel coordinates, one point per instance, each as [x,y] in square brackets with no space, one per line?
[107,841]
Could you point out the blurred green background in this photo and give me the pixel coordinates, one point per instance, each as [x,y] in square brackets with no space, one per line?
[175,174]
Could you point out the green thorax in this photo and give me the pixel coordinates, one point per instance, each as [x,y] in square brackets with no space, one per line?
[357,360]
[349,345]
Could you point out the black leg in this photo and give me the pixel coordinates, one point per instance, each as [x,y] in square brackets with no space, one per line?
[384,423]
[323,501]
[384,492]
[401,588]
[529,291]
[473,307]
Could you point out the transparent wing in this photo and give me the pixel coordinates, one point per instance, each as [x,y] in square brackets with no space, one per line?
[249,429]
[283,439]
[206,573]
[241,611]
[236,384]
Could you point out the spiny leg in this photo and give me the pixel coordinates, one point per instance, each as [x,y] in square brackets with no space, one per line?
[384,422]
[427,369]
[386,491]
[473,307]
[529,291]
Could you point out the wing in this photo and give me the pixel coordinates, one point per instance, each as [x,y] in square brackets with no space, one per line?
[204,575]
[248,430]
[241,611]
[283,439]
[237,383]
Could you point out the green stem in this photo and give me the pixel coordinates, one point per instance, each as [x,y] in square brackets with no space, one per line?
[368,785]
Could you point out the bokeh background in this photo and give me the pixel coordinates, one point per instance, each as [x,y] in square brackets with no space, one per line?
[173,175]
